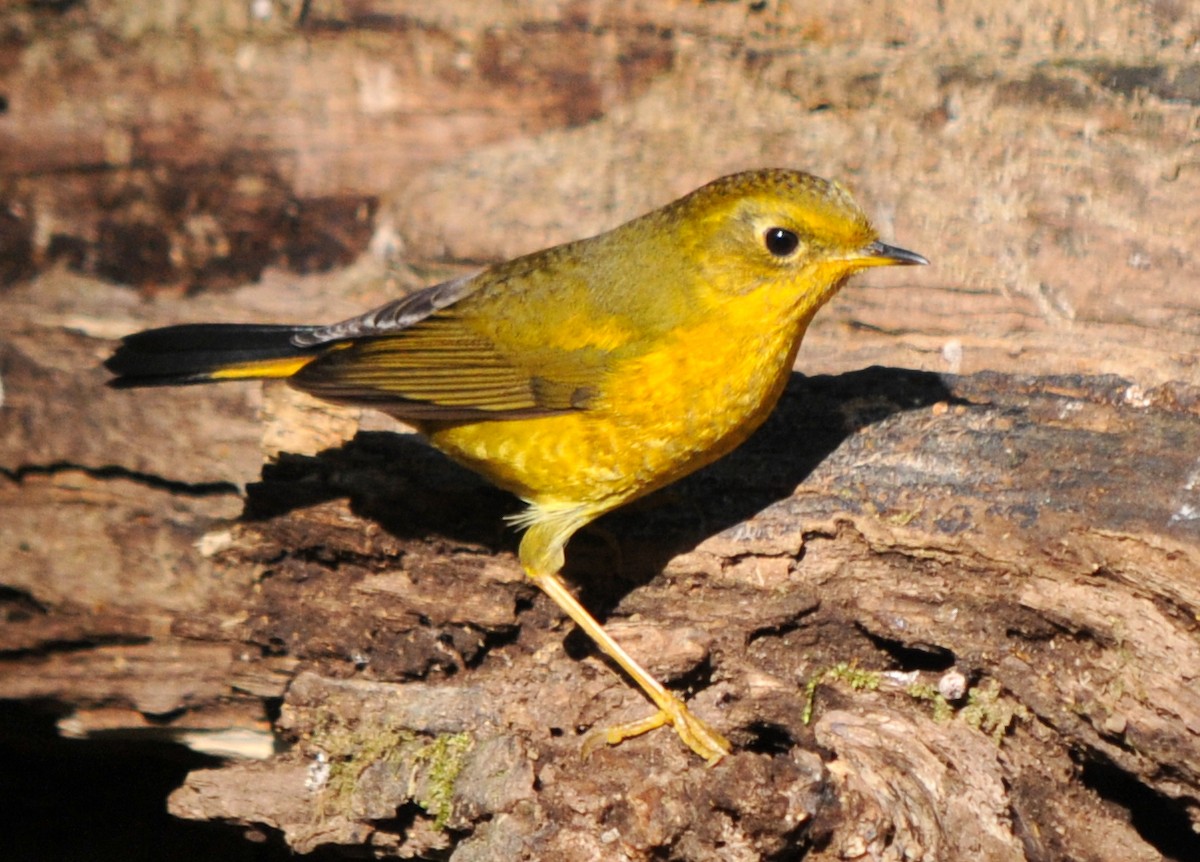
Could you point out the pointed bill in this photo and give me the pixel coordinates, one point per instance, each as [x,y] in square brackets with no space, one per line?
[882,254]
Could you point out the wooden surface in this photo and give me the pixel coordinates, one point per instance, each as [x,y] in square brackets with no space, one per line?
[966,547]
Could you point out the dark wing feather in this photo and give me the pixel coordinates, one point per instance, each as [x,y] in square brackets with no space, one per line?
[417,358]
[394,317]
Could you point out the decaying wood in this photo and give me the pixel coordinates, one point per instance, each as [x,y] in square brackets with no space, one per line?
[944,603]
[372,588]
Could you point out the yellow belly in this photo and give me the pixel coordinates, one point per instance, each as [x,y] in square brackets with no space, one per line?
[658,417]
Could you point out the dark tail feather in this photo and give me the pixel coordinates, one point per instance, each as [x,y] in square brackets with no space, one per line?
[204,352]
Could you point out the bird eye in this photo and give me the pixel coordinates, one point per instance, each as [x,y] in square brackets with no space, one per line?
[780,241]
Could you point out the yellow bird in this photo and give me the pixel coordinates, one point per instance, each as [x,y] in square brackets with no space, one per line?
[583,376]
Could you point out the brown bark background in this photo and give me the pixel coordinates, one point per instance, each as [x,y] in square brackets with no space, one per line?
[945,603]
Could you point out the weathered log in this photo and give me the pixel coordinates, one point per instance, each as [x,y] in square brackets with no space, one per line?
[944,606]
[885,529]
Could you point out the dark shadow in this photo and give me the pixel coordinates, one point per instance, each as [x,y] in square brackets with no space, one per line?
[908,657]
[105,799]
[1163,822]
[814,417]
[396,480]
[412,491]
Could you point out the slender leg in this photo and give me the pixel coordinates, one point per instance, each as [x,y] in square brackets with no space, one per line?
[698,736]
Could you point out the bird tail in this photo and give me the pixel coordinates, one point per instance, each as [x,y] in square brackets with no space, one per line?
[207,352]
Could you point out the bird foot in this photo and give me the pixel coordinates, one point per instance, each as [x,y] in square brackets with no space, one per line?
[695,733]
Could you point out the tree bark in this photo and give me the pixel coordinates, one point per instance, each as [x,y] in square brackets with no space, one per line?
[944,603]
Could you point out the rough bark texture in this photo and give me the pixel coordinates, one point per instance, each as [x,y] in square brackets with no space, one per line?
[945,607]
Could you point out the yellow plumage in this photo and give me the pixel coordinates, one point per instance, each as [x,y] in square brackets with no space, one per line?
[586,375]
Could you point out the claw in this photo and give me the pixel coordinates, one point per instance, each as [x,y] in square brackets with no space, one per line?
[695,733]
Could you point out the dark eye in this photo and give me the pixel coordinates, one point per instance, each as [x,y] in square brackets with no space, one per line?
[780,241]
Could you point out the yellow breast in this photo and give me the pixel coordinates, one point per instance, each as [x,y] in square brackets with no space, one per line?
[693,396]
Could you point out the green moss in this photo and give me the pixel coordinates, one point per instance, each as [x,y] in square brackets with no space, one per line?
[942,710]
[350,753]
[443,759]
[989,711]
[847,672]
[432,765]
[903,519]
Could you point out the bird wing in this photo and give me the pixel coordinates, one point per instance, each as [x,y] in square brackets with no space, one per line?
[428,357]
[395,316]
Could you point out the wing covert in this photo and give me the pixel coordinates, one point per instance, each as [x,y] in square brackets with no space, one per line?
[441,368]
[395,316]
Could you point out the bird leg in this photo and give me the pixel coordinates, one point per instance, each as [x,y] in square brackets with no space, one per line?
[696,734]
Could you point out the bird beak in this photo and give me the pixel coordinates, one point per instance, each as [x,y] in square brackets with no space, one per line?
[882,254]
